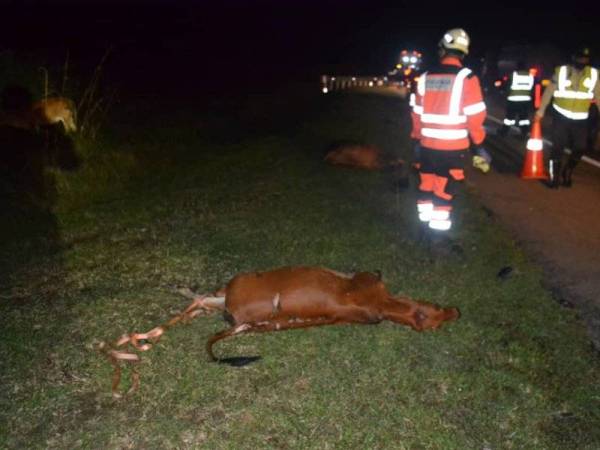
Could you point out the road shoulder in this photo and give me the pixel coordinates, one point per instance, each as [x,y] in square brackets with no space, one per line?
[557,228]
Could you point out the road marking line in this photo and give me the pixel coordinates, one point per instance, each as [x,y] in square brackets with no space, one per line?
[587,159]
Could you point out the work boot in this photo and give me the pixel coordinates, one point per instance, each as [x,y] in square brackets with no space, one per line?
[566,176]
[554,173]
[503,131]
[567,173]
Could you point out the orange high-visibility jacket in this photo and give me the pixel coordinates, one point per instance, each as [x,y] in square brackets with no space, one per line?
[448,108]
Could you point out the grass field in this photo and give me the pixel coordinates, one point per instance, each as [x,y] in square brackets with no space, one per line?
[193,197]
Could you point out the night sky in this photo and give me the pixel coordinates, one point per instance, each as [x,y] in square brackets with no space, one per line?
[192,43]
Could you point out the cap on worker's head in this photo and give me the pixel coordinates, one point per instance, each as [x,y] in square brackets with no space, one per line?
[456,39]
[582,52]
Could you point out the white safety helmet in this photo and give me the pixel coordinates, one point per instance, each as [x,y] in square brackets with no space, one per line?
[456,39]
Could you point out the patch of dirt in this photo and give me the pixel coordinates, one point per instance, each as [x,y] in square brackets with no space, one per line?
[560,229]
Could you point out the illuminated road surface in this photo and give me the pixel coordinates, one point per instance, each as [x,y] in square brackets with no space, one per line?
[560,228]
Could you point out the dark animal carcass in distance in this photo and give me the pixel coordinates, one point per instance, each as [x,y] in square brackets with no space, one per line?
[360,156]
[46,112]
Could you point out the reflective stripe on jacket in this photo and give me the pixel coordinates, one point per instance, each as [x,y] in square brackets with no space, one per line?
[574,91]
[448,108]
[520,86]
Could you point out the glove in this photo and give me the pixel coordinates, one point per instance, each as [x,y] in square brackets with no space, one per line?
[482,159]
[482,152]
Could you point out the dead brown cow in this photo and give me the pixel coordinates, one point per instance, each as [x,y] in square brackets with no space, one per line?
[360,156]
[294,297]
[299,297]
[55,110]
[50,111]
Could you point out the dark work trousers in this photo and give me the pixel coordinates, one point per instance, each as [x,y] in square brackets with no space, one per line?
[441,173]
[519,112]
[568,133]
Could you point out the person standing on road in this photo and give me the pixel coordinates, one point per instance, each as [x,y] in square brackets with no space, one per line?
[573,88]
[518,101]
[448,110]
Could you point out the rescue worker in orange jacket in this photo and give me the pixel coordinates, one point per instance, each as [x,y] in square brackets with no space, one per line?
[448,115]
[573,89]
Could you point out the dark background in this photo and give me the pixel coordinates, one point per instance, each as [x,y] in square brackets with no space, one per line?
[197,45]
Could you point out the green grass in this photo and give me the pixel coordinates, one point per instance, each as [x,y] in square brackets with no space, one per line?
[193,206]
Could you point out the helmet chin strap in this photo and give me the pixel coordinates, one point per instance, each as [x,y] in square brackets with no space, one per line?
[442,52]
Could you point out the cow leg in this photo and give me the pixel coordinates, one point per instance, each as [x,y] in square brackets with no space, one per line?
[201,304]
[213,303]
[267,326]
[224,334]
[217,302]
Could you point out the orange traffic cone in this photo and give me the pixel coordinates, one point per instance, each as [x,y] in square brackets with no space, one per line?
[534,167]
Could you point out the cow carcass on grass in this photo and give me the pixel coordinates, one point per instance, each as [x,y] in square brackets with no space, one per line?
[289,298]
[360,156]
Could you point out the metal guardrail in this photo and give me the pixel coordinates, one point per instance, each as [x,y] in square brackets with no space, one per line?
[337,83]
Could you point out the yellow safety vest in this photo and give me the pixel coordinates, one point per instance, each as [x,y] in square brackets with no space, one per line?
[571,101]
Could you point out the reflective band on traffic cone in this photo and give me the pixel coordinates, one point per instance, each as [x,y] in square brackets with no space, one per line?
[534,167]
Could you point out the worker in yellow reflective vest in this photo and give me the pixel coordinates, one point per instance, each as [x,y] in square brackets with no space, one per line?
[518,101]
[573,88]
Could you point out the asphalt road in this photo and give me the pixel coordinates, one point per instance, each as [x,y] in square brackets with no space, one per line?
[560,229]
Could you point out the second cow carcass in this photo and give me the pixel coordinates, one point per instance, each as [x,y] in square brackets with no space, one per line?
[360,156]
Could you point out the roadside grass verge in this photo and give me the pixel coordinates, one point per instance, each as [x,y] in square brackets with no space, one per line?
[206,202]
